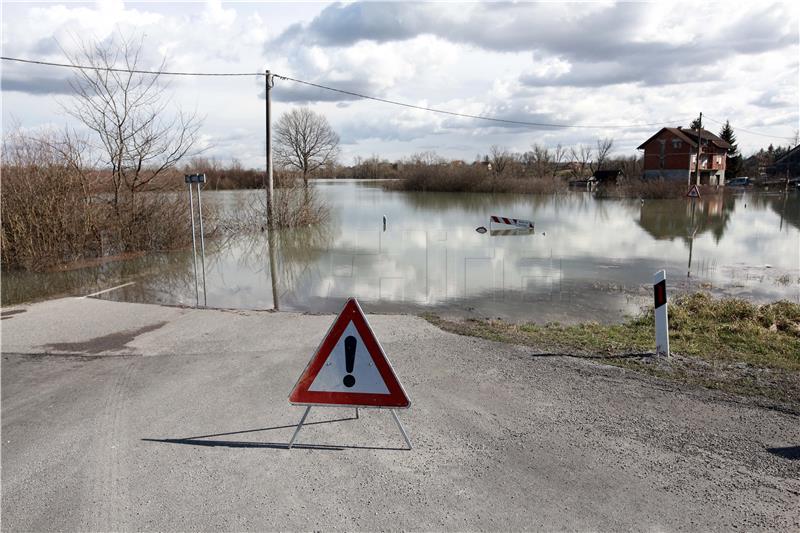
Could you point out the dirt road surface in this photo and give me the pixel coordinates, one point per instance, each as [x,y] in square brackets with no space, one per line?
[123,416]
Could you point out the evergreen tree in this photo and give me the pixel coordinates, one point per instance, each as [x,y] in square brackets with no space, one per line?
[734,163]
[696,124]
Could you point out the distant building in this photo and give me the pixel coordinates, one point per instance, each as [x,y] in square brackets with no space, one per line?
[672,154]
[787,165]
[609,177]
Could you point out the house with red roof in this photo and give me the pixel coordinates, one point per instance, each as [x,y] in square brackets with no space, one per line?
[671,154]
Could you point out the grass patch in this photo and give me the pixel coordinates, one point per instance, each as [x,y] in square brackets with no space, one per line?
[729,344]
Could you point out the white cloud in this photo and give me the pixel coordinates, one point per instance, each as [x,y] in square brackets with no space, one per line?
[590,63]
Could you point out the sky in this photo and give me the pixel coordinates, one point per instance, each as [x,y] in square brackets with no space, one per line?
[626,69]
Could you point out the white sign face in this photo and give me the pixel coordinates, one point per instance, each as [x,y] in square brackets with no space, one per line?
[349,368]
[662,321]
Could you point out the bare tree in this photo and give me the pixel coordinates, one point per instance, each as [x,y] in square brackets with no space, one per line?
[427,158]
[541,160]
[305,141]
[500,158]
[136,134]
[581,157]
[631,166]
[559,156]
[604,147]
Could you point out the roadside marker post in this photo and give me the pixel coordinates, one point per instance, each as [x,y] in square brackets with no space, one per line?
[350,369]
[660,302]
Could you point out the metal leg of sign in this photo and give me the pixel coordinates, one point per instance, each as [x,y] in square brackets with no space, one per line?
[356,412]
[402,429]
[300,425]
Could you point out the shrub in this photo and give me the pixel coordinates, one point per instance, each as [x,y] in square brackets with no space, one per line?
[444,177]
[56,211]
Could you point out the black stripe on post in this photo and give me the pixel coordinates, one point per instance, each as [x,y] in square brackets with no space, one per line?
[660,293]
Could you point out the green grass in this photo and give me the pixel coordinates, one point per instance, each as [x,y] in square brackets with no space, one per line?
[729,344]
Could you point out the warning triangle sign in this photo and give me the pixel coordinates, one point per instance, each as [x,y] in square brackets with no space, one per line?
[350,368]
[694,192]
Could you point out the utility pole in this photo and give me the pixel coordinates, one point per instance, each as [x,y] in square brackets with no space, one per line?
[699,147]
[271,241]
[268,83]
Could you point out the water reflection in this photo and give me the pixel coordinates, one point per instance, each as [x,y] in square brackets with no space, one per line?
[687,218]
[587,258]
[786,206]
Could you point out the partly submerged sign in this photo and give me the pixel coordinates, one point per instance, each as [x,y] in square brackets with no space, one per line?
[517,222]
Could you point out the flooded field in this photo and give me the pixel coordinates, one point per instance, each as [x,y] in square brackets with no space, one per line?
[587,258]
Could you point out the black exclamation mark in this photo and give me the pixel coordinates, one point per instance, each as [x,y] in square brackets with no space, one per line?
[350,343]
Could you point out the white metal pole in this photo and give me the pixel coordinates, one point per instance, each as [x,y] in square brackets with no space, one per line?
[194,248]
[202,243]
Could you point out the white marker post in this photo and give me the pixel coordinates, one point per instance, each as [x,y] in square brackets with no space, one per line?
[662,326]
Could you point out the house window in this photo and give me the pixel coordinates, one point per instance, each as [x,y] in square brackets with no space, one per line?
[662,148]
[676,143]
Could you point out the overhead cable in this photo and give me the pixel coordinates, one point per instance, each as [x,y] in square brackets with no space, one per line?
[467,115]
[750,131]
[365,96]
[130,71]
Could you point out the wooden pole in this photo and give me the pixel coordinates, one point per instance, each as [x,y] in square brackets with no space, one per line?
[699,148]
[271,240]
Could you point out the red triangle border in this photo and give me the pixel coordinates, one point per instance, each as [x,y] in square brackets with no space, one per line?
[397,397]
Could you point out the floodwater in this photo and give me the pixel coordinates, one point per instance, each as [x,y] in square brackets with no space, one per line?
[587,258]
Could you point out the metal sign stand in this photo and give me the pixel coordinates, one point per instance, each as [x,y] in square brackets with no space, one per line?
[308,409]
[198,179]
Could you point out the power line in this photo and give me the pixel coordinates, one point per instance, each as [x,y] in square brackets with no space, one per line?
[750,131]
[130,71]
[467,115]
[343,91]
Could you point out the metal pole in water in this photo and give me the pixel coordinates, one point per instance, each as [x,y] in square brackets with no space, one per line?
[194,247]
[202,237]
[384,222]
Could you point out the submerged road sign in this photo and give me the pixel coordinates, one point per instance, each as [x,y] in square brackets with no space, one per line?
[518,222]
[694,192]
[350,368]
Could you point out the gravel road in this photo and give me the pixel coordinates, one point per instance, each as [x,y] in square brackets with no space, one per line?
[121,416]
